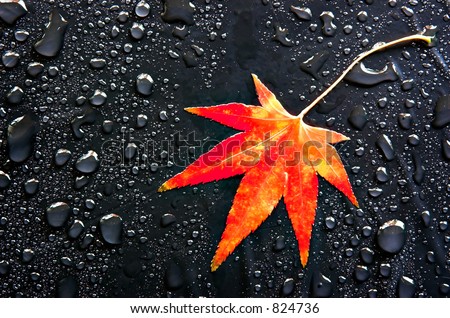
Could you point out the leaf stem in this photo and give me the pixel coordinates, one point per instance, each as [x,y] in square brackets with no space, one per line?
[377,47]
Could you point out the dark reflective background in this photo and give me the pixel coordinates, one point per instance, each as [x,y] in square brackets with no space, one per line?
[92,123]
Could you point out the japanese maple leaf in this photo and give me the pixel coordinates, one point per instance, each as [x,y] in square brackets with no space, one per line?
[280,155]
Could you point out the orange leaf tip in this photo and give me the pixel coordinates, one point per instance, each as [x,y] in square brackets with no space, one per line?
[164,187]
[192,110]
[304,257]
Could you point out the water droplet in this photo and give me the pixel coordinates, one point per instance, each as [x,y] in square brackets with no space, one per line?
[405,120]
[167,219]
[130,150]
[142,9]
[407,11]
[446,148]
[53,39]
[144,84]
[31,186]
[137,31]
[88,117]
[5,267]
[361,273]
[367,255]
[419,171]
[426,218]
[34,69]
[12,10]
[88,162]
[304,14]
[5,180]
[27,255]
[98,98]
[328,26]
[21,35]
[330,222]
[321,285]
[407,85]
[382,175]
[62,156]
[122,17]
[21,134]
[76,229]
[190,59]
[107,126]
[97,64]
[362,16]
[111,228]
[15,95]
[57,214]
[375,192]
[280,243]
[385,270]
[444,289]
[358,117]
[163,115]
[10,59]
[391,236]
[406,287]
[281,36]
[385,144]
[442,112]
[178,11]
[362,75]
[288,287]
[315,63]
[180,32]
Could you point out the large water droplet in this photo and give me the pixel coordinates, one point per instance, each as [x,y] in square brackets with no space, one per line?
[5,180]
[406,287]
[144,84]
[328,27]
[167,219]
[57,214]
[302,13]
[288,287]
[111,228]
[358,117]
[21,134]
[321,285]
[391,236]
[442,112]
[178,11]
[88,162]
[53,39]
[385,144]
[12,10]
[362,75]
[142,9]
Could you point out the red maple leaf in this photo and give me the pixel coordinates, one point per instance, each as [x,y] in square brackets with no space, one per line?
[280,156]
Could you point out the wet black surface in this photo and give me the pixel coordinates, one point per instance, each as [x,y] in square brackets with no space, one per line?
[83,92]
